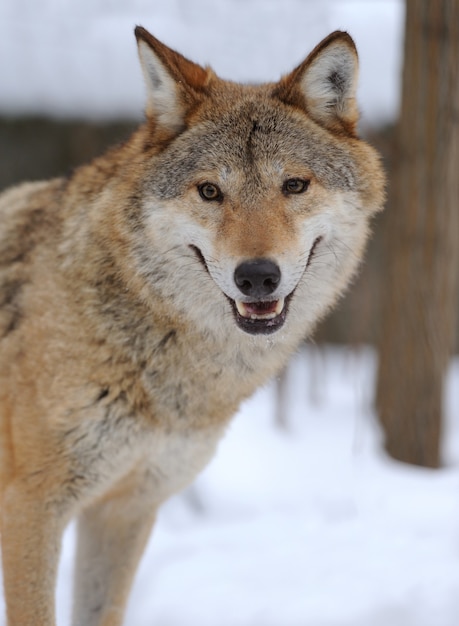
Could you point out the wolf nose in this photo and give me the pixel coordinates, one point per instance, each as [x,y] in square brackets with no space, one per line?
[257,278]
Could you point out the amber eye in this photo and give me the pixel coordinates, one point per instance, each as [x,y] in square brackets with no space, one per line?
[209,191]
[295,185]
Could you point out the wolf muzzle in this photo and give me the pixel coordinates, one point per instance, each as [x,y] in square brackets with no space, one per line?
[258,279]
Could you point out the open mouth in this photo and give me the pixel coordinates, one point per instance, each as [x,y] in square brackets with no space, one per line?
[263,318]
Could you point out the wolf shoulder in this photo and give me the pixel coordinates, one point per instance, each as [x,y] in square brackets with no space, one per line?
[27,211]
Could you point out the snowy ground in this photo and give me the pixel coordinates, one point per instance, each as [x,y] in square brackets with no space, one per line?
[314,526]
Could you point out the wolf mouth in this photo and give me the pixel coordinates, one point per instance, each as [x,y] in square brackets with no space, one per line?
[265,316]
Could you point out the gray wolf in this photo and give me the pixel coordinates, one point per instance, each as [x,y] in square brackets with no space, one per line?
[143,297]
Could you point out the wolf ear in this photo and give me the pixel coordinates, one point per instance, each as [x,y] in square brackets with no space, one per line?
[174,84]
[325,84]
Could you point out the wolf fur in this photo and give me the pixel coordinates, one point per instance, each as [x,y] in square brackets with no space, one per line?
[146,295]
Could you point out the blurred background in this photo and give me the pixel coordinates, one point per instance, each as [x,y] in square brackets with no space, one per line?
[334,499]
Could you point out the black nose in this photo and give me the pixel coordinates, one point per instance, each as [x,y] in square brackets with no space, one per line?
[257,278]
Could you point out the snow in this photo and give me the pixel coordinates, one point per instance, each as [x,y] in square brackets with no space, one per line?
[79,59]
[312,525]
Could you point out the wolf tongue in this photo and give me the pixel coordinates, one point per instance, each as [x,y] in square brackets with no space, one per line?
[260,308]
[256,310]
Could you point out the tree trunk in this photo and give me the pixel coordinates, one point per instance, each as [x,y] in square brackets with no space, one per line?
[420,298]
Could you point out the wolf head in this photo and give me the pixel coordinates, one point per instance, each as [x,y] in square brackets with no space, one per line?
[258,198]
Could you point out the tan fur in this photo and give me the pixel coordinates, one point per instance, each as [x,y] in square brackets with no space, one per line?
[122,357]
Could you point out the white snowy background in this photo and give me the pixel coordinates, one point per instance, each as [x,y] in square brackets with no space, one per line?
[78,58]
[313,525]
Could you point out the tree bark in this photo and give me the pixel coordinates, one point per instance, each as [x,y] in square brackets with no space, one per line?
[420,298]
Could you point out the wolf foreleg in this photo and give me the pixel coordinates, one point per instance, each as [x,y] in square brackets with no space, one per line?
[111,538]
[31,537]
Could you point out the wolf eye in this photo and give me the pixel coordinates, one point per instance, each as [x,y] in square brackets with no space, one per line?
[209,191]
[295,185]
